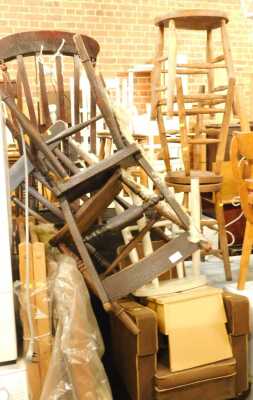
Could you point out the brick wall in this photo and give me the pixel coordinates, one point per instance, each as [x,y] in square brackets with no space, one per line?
[125,30]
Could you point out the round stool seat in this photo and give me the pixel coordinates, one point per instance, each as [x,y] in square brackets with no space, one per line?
[205,177]
[193,19]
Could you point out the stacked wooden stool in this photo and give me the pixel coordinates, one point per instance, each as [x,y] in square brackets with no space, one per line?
[195,108]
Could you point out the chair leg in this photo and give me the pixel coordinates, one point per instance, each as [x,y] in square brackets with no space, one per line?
[78,240]
[246,251]
[219,211]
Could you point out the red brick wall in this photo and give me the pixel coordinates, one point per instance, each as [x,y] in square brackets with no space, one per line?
[125,30]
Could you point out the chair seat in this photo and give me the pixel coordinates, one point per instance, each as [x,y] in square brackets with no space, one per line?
[193,19]
[165,379]
[205,177]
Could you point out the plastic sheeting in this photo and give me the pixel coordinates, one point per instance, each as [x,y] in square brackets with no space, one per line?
[75,370]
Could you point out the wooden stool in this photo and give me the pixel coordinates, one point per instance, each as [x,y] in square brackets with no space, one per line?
[189,20]
[208,102]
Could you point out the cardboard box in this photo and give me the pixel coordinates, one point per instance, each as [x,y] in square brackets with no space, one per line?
[195,324]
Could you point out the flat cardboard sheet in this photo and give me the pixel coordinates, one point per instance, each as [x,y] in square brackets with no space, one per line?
[197,346]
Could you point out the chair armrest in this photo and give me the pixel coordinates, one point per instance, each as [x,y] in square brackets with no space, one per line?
[237,310]
[135,355]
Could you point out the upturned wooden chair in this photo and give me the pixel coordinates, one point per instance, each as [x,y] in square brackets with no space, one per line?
[241,153]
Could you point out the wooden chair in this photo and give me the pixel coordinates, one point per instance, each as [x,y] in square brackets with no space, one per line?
[242,164]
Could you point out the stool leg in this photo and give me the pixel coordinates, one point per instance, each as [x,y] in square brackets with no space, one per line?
[156,73]
[172,64]
[195,214]
[219,211]
[101,154]
[246,251]
[163,140]
[228,59]
[108,147]
[209,57]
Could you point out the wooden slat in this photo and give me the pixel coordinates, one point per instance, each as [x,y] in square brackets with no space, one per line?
[42,305]
[77,95]
[44,97]
[93,133]
[33,369]
[61,112]
[27,90]
[133,277]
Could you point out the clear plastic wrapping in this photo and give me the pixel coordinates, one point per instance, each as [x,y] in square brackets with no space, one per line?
[75,370]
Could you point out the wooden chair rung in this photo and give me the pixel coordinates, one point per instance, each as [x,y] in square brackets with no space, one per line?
[218,59]
[196,111]
[203,141]
[220,88]
[207,65]
[188,71]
